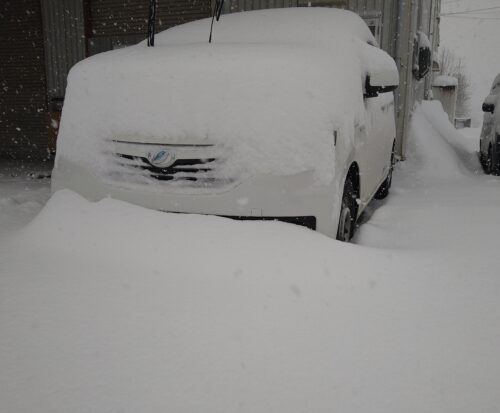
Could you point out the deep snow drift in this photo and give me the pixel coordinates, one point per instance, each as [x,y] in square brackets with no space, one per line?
[441,199]
[110,307]
[24,190]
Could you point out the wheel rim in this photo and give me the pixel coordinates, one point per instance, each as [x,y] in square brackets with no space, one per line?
[345,224]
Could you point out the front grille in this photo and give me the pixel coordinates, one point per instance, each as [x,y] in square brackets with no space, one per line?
[195,165]
[192,170]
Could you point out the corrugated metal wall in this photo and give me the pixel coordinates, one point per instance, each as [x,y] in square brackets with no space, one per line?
[118,17]
[387,10]
[233,6]
[64,34]
[23,103]
[361,6]
[117,23]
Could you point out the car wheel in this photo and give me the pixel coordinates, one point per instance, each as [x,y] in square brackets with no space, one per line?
[348,212]
[383,190]
[494,161]
[482,160]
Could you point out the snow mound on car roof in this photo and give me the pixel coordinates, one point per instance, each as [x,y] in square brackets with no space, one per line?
[317,26]
[276,105]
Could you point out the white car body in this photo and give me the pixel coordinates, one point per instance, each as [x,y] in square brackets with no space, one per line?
[167,156]
[489,143]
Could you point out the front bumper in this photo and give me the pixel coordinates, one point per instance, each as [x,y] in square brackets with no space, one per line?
[288,198]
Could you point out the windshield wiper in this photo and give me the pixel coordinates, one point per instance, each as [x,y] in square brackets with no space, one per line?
[215,14]
[151,22]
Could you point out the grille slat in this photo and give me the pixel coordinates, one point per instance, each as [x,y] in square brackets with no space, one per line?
[184,169]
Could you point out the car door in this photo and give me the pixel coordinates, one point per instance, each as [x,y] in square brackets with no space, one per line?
[381,133]
[374,139]
[487,130]
[378,127]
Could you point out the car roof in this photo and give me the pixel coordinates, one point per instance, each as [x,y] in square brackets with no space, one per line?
[312,25]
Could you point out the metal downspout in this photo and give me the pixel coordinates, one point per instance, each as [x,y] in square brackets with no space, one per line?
[405,40]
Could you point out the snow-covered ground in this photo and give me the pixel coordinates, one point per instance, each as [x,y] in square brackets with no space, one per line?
[110,307]
[442,200]
[24,190]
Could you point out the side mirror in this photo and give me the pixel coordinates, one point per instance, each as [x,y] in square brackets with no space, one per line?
[382,74]
[381,81]
[488,107]
[489,104]
[422,55]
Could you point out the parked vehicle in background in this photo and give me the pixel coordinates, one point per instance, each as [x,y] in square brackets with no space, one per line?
[288,114]
[489,144]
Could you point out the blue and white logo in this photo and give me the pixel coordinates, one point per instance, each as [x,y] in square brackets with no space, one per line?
[161,159]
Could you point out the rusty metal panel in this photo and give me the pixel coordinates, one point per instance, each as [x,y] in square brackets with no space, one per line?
[63,23]
[104,43]
[122,17]
[233,6]
[386,12]
[23,106]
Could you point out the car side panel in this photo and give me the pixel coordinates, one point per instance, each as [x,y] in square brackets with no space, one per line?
[374,143]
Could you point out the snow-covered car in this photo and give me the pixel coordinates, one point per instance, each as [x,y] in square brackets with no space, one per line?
[288,114]
[489,144]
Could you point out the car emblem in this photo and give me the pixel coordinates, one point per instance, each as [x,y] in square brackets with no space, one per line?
[161,159]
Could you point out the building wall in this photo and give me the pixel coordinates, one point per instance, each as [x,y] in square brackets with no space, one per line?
[23,102]
[117,23]
[64,35]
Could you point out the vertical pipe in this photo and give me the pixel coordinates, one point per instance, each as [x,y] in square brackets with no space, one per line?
[404,54]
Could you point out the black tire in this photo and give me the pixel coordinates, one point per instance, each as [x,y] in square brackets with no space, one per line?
[482,161]
[383,190]
[348,212]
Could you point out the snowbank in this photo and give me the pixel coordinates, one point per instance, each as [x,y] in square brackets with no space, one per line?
[441,198]
[24,190]
[122,308]
[431,154]
[446,154]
